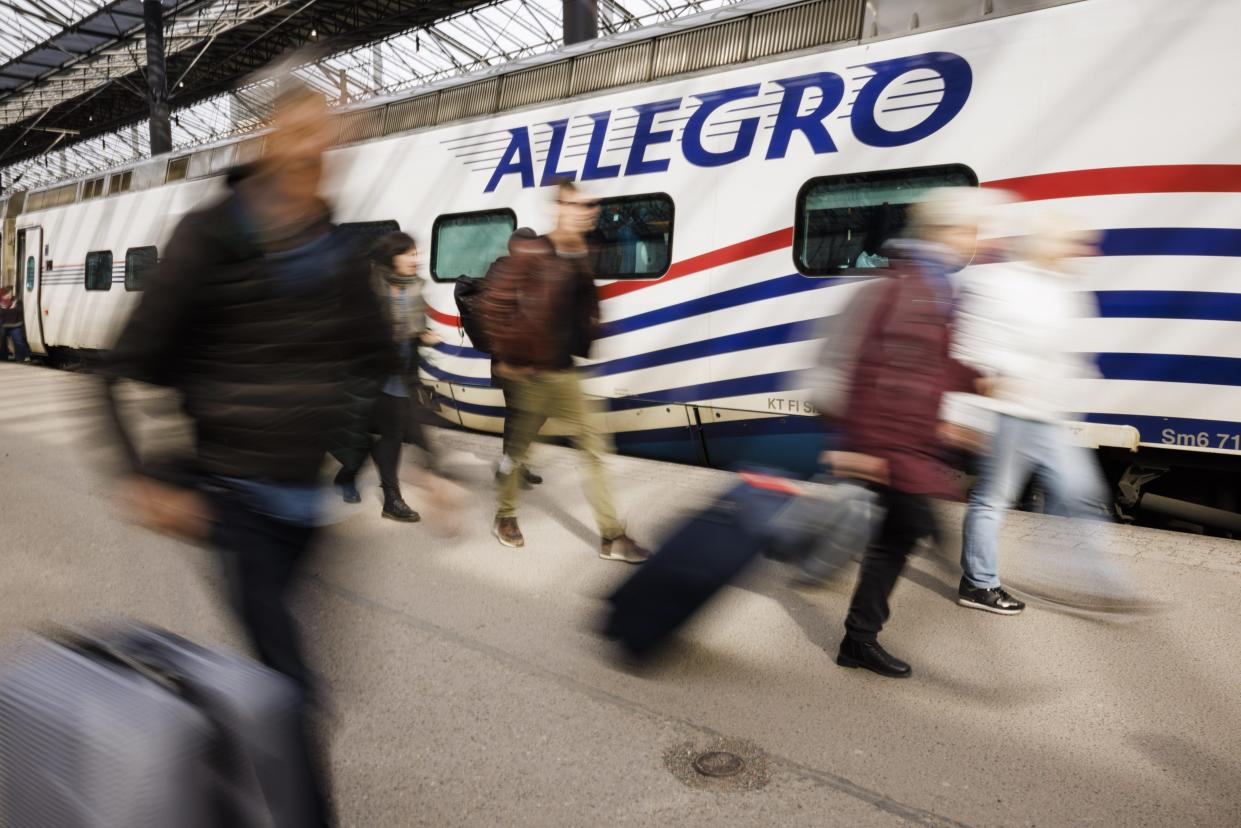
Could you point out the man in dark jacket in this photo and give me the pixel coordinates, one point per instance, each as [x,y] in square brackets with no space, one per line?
[540,310]
[890,421]
[260,316]
[12,326]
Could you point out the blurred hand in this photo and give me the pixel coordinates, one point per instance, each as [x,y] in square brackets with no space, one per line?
[507,371]
[167,509]
[960,437]
[985,386]
[431,338]
[860,466]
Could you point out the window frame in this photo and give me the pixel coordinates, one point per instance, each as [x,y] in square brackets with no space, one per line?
[347,226]
[185,174]
[672,215]
[799,226]
[129,270]
[120,182]
[86,270]
[435,227]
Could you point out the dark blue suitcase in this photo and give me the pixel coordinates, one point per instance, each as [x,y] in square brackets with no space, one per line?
[703,555]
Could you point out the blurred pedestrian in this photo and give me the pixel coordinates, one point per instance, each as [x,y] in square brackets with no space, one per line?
[889,412]
[540,311]
[1015,326]
[255,317]
[12,327]
[523,240]
[398,288]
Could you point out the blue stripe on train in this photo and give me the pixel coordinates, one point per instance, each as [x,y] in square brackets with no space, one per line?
[1171,241]
[1169,304]
[1204,370]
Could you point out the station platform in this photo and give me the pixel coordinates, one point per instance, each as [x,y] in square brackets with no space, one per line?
[468,687]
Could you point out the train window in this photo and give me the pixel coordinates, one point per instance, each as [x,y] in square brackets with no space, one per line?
[99,270]
[465,244]
[92,188]
[120,182]
[364,233]
[178,169]
[843,220]
[139,262]
[633,237]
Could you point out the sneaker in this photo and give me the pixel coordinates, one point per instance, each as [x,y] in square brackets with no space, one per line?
[397,509]
[623,548]
[507,532]
[530,477]
[995,600]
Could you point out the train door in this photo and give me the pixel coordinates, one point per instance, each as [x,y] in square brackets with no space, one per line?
[30,281]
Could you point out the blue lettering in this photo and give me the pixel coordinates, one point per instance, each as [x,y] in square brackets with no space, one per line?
[810,124]
[517,158]
[644,137]
[958,79]
[550,173]
[691,142]
[591,171]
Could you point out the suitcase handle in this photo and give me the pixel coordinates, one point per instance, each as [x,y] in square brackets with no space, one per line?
[81,643]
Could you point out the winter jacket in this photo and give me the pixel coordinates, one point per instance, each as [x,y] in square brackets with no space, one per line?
[902,370]
[11,317]
[267,349]
[1015,324]
[540,309]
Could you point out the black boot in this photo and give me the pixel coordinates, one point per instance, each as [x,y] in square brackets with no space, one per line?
[347,486]
[396,509]
[870,656]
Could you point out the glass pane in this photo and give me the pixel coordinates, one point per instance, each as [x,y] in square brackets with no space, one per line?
[633,238]
[139,261]
[364,233]
[99,270]
[30,273]
[843,221]
[467,244]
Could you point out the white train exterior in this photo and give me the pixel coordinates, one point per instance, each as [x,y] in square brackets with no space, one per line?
[1122,113]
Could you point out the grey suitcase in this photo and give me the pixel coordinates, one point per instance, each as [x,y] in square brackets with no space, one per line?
[142,728]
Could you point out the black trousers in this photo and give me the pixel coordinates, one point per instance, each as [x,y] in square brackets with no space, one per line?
[509,419]
[908,519]
[390,419]
[262,557]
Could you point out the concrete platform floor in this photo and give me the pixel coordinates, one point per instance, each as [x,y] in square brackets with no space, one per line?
[469,689]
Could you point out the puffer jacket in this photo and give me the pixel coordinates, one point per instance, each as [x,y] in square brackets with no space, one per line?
[270,367]
[540,309]
[901,372]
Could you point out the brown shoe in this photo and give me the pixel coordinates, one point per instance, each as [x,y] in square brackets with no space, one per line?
[506,531]
[623,548]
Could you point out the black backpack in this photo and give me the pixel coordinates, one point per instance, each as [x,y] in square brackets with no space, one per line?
[468,294]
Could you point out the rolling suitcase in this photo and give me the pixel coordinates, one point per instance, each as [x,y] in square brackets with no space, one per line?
[142,728]
[704,554]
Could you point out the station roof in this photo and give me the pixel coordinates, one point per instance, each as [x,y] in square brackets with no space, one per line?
[73,89]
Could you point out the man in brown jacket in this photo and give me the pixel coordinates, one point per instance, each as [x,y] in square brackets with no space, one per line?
[540,310]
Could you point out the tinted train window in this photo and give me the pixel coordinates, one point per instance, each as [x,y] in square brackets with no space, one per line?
[465,244]
[843,220]
[99,270]
[139,262]
[633,239]
[364,233]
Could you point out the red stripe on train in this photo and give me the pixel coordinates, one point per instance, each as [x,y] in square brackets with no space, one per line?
[1170,178]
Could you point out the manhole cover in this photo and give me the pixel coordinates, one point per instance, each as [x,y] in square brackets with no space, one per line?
[719,763]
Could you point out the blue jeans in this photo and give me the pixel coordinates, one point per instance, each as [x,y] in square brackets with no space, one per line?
[1068,474]
[21,350]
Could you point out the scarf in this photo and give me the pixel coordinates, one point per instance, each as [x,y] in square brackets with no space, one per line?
[404,304]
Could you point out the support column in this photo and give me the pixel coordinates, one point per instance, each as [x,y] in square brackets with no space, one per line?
[157,80]
[581,21]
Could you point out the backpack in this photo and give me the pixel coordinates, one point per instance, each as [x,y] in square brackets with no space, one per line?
[468,294]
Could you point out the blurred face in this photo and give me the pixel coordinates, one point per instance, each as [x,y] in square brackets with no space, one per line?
[294,153]
[962,240]
[578,213]
[406,264]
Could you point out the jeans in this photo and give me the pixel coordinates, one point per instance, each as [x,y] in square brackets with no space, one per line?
[261,557]
[908,518]
[558,394]
[1067,473]
[21,351]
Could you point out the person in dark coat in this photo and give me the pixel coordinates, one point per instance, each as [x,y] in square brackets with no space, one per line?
[890,420]
[255,317]
[398,289]
[12,327]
